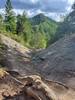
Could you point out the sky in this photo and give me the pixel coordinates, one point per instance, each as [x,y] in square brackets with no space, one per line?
[52,8]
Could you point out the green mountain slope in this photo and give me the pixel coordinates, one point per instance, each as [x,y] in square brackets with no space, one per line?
[44,25]
[66,27]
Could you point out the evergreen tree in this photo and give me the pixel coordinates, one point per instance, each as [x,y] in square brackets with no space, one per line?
[2,28]
[38,40]
[19,25]
[24,27]
[10,21]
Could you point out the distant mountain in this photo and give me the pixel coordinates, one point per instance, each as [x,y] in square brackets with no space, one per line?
[44,25]
[40,18]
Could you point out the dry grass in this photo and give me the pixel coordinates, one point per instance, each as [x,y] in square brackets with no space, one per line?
[3,72]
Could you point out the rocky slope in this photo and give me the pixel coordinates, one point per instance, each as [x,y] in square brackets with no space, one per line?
[57,62]
[15,56]
[23,77]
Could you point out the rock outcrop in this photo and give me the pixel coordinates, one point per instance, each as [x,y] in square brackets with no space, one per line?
[32,87]
[24,78]
[57,62]
[15,57]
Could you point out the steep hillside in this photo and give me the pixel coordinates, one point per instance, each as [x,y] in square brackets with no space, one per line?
[66,27]
[57,62]
[14,56]
[24,78]
[44,25]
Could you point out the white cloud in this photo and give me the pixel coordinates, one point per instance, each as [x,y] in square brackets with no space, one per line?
[34,1]
[18,11]
[56,16]
[30,13]
[69,7]
[52,8]
[1,10]
[70,2]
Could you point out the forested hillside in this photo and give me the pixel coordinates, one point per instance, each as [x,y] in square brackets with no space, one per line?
[33,32]
[31,67]
[67,26]
[44,26]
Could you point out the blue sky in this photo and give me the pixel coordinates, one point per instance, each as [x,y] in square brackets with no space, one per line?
[52,8]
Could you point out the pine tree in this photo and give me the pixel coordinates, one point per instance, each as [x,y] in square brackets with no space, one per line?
[24,27]
[2,28]
[19,25]
[10,21]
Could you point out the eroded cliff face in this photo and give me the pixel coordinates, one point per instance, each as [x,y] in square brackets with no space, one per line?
[32,87]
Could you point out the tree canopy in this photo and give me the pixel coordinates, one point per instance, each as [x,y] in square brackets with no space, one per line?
[10,21]
[35,32]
